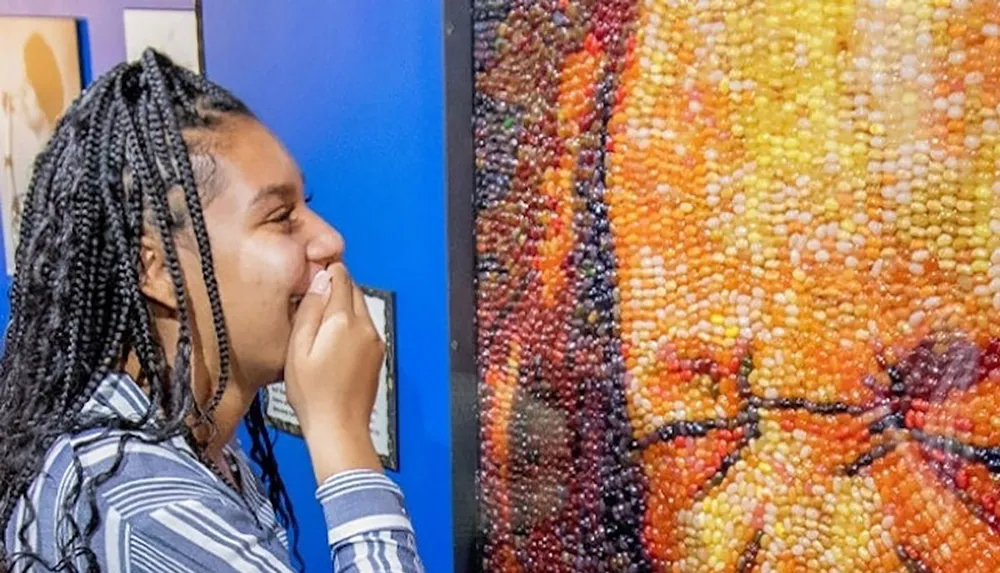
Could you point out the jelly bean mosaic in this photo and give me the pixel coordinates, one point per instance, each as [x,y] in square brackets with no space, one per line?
[739,284]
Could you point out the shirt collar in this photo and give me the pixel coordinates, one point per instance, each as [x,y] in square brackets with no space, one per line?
[117,396]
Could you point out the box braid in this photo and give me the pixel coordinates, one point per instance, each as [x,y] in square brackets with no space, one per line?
[104,178]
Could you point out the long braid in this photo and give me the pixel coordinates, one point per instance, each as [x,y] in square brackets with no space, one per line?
[77,310]
[262,453]
[84,269]
[187,181]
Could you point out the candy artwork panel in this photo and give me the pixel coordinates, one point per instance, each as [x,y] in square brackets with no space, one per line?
[739,284]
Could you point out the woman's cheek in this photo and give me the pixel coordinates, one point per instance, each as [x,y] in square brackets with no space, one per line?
[277,266]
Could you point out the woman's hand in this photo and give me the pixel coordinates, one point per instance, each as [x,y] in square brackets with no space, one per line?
[331,372]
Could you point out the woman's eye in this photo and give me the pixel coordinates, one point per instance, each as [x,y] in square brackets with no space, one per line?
[283,216]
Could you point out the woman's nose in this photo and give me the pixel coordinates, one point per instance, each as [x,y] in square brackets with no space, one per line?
[326,245]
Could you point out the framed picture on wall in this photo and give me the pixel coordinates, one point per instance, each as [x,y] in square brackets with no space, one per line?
[176,33]
[383,423]
[39,78]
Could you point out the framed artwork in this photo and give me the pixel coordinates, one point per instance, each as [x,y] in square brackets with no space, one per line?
[383,425]
[763,288]
[39,78]
[175,33]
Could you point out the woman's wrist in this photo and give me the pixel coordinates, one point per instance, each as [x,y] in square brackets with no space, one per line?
[334,450]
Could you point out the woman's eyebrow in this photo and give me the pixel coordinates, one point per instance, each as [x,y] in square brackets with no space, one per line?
[282,191]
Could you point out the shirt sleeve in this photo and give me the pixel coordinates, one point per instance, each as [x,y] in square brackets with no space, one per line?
[368,528]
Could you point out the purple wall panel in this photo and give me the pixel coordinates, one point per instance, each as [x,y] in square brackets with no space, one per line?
[103,17]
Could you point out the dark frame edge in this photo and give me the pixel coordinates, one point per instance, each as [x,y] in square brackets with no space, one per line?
[199,19]
[391,461]
[460,183]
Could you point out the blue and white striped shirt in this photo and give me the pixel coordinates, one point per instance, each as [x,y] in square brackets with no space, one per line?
[164,511]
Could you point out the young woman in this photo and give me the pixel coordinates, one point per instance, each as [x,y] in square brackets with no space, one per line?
[168,269]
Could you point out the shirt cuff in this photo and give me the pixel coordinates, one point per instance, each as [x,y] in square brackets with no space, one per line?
[361,501]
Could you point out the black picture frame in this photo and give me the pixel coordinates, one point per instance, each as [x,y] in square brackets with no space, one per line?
[460,145]
[199,19]
[389,459]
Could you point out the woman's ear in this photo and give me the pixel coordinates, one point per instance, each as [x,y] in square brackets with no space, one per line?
[155,282]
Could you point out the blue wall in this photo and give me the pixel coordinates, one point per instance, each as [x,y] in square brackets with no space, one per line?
[355,90]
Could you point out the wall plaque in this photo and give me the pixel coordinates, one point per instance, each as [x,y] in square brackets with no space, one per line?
[383,425]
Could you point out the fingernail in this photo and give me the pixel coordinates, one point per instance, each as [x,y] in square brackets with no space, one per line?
[321,282]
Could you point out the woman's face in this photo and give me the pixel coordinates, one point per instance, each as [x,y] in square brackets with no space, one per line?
[266,246]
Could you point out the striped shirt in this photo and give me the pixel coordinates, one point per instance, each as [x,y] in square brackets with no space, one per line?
[165,511]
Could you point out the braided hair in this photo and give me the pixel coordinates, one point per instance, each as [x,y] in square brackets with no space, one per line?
[106,176]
